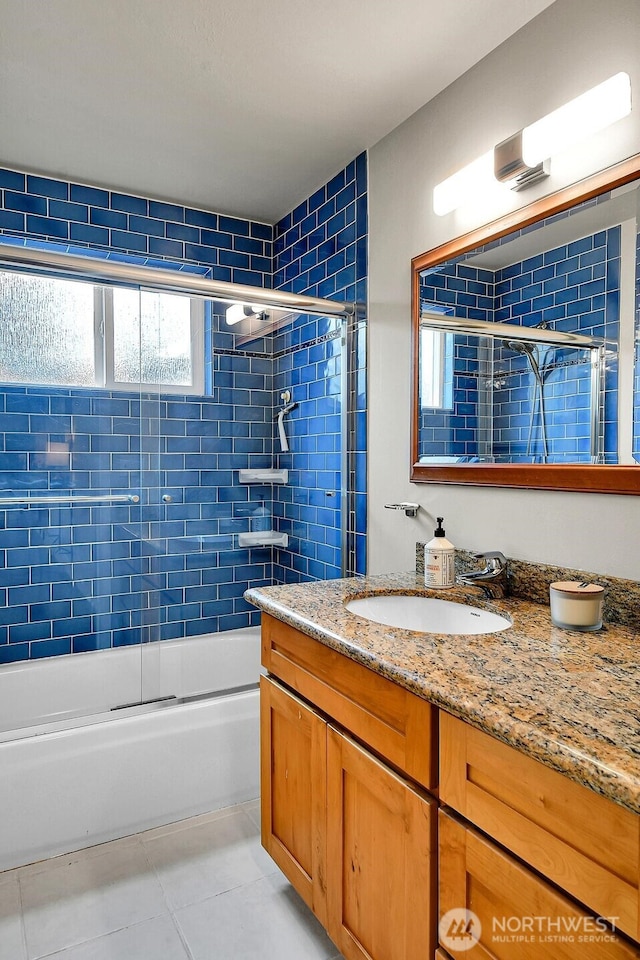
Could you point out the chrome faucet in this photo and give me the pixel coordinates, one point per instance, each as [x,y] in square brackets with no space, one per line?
[493,579]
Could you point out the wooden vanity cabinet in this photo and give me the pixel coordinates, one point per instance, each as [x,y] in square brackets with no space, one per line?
[381,844]
[293,760]
[521,916]
[585,844]
[354,834]
[349,813]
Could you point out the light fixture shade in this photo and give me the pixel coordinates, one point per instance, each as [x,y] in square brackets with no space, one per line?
[235,313]
[577,120]
[463,185]
[243,311]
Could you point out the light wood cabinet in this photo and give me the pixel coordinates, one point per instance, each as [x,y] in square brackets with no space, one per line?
[381,843]
[355,836]
[521,916]
[349,772]
[587,844]
[293,775]
[393,722]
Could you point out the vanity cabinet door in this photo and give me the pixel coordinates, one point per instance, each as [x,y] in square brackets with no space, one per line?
[518,915]
[380,856]
[293,774]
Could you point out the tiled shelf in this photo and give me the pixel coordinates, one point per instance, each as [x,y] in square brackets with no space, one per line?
[263,476]
[263,538]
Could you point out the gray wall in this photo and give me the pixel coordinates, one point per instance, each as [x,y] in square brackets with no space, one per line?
[569,48]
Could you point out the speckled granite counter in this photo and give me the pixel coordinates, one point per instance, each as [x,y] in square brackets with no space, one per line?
[569,699]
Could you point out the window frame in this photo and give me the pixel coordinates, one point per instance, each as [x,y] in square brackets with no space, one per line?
[105,347]
[440,381]
[103,340]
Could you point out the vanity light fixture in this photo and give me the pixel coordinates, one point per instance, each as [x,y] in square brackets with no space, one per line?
[523,159]
[243,311]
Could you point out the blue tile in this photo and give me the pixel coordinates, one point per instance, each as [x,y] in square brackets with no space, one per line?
[11,180]
[48,227]
[201,218]
[128,241]
[234,225]
[25,203]
[63,210]
[166,211]
[129,204]
[262,231]
[178,231]
[108,218]
[86,234]
[90,195]
[147,225]
[13,652]
[165,248]
[46,187]
[11,221]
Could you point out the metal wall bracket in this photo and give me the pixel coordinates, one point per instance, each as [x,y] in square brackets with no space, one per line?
[410,509]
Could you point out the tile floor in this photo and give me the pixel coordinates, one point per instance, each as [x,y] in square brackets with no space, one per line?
[201,889]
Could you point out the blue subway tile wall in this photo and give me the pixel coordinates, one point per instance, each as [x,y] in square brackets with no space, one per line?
[570,288]
[454,430]
[86,577]
[320,249]
[233,250]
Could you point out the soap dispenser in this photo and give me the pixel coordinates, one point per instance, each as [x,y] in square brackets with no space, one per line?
[439,560]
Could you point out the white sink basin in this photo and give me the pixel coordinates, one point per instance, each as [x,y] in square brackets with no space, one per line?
[427,614]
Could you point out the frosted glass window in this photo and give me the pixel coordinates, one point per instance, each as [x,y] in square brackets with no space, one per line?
[72,333]
[46,330]
[151,338]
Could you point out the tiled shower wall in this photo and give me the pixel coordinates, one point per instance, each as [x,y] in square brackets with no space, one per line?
[87,577]
[575,288]
[320,249]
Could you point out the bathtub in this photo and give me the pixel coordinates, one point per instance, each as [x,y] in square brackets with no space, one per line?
[70,781]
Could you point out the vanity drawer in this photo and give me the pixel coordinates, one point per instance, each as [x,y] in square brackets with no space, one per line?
[521,916]
[392,721]
[588,845]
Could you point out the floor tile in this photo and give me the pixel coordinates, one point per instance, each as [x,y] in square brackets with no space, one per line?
[156,939]
[208,858]
[87,898]
[265,920]
[11,939]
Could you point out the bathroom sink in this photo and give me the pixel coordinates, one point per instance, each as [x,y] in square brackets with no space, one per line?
[427,614]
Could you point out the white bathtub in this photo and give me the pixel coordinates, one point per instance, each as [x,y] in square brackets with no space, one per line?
[69,782]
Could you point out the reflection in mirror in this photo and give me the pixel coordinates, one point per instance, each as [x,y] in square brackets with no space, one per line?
[490,394]
[527,352]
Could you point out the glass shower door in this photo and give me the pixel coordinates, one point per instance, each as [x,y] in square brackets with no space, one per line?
[69,510]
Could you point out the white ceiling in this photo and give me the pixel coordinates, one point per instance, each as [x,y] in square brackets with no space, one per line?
[238,106]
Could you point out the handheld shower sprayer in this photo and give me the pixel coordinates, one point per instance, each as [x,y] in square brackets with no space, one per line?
[280,415]
[529,350]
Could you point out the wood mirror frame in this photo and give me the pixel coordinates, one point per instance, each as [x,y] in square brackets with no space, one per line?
[596,478]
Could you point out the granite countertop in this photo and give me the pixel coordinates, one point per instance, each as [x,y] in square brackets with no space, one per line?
[567,698]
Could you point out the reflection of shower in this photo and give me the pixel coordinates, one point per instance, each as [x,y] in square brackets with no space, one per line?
[529,350]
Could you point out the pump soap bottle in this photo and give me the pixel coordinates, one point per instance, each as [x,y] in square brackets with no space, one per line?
[439,560]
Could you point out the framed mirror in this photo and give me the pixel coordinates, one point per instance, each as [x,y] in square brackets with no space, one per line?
[526,350]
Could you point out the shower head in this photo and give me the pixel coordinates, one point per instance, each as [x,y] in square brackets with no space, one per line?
[521,346]
[526,349]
